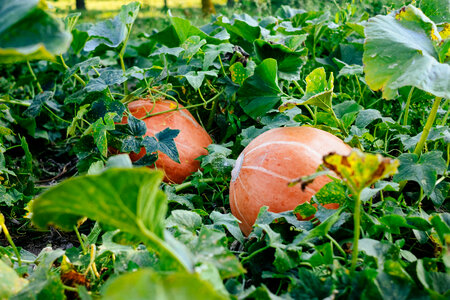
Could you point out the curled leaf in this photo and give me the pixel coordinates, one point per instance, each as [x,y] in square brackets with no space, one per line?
[360,170]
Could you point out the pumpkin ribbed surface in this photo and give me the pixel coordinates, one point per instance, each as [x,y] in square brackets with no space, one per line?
[191,141]
[273,159]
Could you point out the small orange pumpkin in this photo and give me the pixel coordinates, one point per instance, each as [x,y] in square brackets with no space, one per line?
[191,141]
[273,159]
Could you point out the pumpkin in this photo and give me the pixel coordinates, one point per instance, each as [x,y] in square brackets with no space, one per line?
[273,159]
[191,142]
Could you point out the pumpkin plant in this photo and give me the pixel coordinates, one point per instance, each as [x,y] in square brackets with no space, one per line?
[406,48]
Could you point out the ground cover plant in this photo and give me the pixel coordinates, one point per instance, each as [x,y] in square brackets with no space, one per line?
[80,219]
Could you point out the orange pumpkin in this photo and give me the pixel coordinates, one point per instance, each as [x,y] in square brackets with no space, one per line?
[273,159]
[191,141]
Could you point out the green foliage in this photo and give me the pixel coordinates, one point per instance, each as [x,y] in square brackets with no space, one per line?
[402,49]
[18,43]
[66,134]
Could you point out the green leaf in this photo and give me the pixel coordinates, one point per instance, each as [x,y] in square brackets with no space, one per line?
[106,78]
[230,222]
[400,51]
[319,91]
[28,156]
[78,118]
[40,100]
[367,116]
[260,92]
[18,43]
[332,192]
[211,247]
[164,286]
[214,51]
[136,127]
[305,210]
[113,32]
[10,282]
[71,20]
[424,171]
[166,143]
[195,78]
[434,282]
[179,31]
[99,130]
[289,61]
[128,199]
[241,27]
[436,10]
[239,73]
[191,46]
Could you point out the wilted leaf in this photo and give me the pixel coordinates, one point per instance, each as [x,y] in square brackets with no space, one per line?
[360,170]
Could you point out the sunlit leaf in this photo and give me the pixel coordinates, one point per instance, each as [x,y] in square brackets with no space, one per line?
[400,50]
[18,43]
[146,282]
[360,170]
[128,199]
[10,282]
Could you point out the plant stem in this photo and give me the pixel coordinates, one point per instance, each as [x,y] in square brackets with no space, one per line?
[428,125]
[357,224]
[408,103]
[333,241]
[161,246]
[212,113]
[78,78]
[83,247]
[22,103]
[121,54]
[254,253]
[70,288]
[180,108]
[55,115]
[299,87]
[444,120]
[360,90]
[188,184]
[34,77]
[8,237]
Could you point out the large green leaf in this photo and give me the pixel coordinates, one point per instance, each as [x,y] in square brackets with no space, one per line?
[179,31]
[289,61]
[113,32]
[128,199]
[28,32]
[401,50]
[10,282]
[260,92]
[148,284]
[424,171]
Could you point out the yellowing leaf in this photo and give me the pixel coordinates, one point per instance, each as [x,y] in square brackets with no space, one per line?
[360,170]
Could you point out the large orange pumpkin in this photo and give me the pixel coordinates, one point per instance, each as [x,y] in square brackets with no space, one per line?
[191,141]
[266,166]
